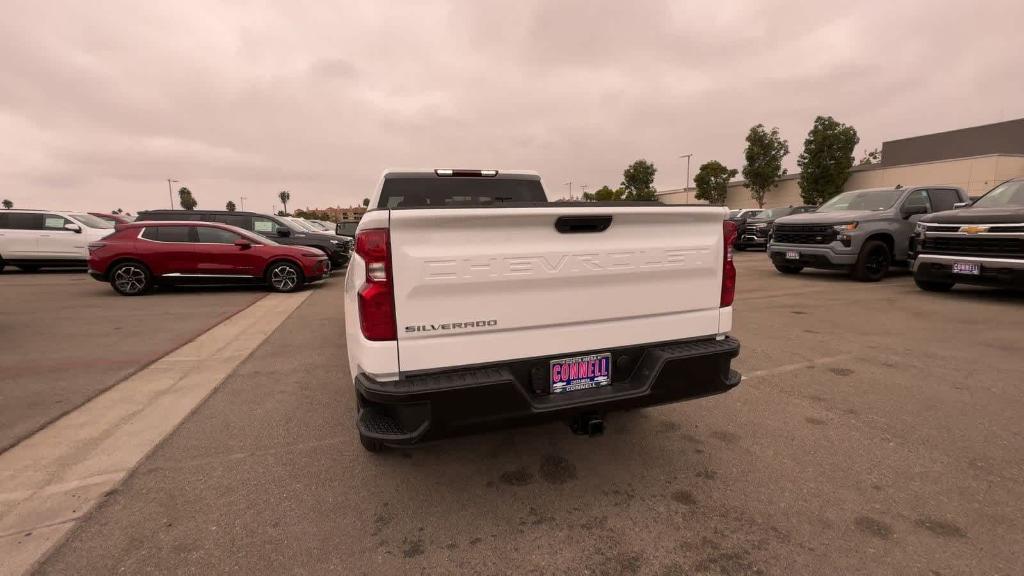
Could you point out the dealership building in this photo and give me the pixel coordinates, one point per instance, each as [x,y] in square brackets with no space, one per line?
[976,159]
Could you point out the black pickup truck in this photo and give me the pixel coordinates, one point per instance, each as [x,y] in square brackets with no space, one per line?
[981,243]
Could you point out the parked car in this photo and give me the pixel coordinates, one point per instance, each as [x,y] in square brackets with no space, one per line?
[740,217]
[862,231]
[346,228]
[113,218]
[981,244]
[277,228]
[758,229]
[521,310]
[34,239]
[141,255]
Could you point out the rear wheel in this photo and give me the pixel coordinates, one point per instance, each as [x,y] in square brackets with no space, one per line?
[789,268]
[130,279]
[933,286]
[371,444]
[873,262]
[284,277]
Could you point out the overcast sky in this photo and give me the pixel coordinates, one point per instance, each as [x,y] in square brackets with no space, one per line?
[101,102]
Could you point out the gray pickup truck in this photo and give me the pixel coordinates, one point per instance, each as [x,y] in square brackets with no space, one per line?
[862,231]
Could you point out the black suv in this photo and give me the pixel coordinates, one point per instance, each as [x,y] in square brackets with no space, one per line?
[277,229]
[757,229]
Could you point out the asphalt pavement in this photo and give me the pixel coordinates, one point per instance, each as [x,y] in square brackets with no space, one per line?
[67,337]
[877,431]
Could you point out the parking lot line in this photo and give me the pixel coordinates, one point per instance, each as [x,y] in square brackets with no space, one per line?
[53,478]
[795,366]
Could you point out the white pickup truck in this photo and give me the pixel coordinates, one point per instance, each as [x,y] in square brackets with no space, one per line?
[473,302]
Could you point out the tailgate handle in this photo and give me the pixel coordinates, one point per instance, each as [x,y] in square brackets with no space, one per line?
[580,224]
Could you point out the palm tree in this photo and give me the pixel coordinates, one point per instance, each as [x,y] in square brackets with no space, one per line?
[285,196]
[8,204]
[230,206]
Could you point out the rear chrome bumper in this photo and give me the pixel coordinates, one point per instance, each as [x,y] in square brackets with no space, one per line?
[432,406]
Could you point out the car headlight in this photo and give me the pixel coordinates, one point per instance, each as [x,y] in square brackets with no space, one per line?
[849,226]
[334,242]
[760,225]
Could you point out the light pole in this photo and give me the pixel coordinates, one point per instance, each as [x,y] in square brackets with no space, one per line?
[584,188]
[170,194]
[569,184]
[687,183]
[242,202]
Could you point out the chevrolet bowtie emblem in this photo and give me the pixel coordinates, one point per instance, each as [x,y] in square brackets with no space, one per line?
[973,229]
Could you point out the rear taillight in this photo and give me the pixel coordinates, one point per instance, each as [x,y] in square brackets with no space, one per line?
[728,268]
[376,296]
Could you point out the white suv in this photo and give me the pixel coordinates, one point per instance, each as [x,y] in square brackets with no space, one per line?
[33,239]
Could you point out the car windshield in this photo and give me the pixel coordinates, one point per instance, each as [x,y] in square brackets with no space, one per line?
[873,200]
[319,226]
[773,213]
[93,221]
[305,226]
[1006,194]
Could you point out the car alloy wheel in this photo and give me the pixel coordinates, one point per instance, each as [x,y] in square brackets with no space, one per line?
[130,279]
[284,277]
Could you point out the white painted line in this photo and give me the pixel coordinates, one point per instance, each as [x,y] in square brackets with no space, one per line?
[797,366]
[54,477]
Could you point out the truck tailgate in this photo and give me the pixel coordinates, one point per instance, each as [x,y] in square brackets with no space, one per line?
[482,285]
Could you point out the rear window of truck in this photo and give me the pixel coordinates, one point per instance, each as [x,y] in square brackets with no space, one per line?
[441,192]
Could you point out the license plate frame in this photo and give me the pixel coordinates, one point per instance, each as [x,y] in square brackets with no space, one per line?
[792,255]
[582,372]
[967,268]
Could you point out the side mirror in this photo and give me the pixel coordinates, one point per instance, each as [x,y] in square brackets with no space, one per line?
[243,243]
[908,211]
[960,205]
[283,232]
[73,227]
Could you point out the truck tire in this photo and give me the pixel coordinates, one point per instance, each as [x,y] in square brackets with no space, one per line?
[371,445]
[789,268]
[739,247]
[873,262]
[933,286]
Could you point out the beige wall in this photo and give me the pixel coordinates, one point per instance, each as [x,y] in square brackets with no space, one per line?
[976,175]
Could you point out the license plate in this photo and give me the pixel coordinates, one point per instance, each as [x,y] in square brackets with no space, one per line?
[792,255]
[580,372]
[967,268]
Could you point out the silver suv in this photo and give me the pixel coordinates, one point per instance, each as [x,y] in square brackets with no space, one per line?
[862,231]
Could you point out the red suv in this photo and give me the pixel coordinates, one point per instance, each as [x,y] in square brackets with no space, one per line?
[139,255]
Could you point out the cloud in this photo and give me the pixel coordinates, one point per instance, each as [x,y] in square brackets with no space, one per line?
[99,107]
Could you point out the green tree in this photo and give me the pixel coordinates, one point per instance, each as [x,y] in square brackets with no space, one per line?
[872,157]
[366,202]
[230,206]
[8,204]
[826,160]
[285,196]
[638,181]
[712,182]
[282,213]
[185,198]
[764,153]
[604,194]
